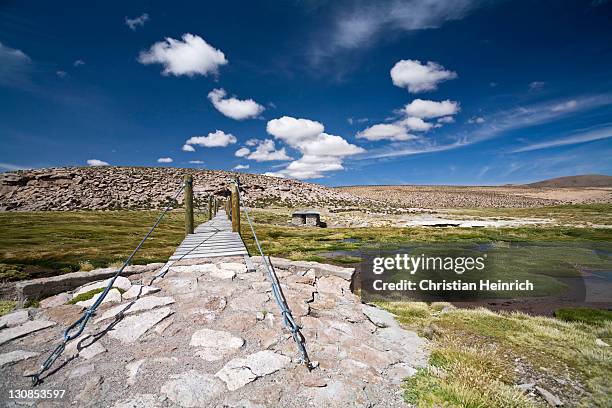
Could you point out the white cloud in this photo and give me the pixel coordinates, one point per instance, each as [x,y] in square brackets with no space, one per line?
[358,25]
[14,65]
[310,167]
[234,108]
[251,142]
[583,137]
[266,151]
[446,119]
[196,162]
[321,152]
[241,167]
[188,148]
[385,131]
[431,109]
[79,62]
[243,151]
[328,145]
[569,105]
[416,124]
[292,130]
[536,86]
[217,138]
[192,56]
[418,77]
[478,120]
[96,162]
[165,160]
[136,22]
[61,74]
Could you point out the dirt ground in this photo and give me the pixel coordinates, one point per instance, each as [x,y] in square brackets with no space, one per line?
[481,196]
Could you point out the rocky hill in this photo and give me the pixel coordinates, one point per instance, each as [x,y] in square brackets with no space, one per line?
[586,180]
[106,188]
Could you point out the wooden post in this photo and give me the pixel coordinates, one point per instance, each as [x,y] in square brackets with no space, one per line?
[235,209]
[227,208]
[216,205]
[188,205]
[210,208]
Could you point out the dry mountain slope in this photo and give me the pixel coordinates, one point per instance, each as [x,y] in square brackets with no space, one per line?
[586,180]
[102,188]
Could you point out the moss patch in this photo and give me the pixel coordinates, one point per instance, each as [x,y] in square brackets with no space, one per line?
[585,315]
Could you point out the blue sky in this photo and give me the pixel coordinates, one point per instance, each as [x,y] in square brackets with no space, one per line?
[387,92]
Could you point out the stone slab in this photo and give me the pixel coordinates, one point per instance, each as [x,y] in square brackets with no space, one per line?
[131,328]
[24,329]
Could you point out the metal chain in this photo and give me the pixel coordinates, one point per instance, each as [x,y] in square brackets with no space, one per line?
[277,291]
[82,321]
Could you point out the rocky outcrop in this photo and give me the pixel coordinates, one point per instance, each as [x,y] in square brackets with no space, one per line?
[108,188]
[204,340]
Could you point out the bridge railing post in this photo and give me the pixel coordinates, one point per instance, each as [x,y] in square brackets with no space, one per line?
[235,209]
[210,208]
[188,205]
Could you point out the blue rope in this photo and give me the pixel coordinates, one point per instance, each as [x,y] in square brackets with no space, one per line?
[277,291]
[80,324]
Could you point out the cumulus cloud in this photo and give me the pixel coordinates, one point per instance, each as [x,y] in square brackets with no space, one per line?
[310,167]
[446,119]
[431,109]
[251,142]
[241,167]
[321,152]
[217,138]
[416,124]
[385,131]
[418,77]
[266,151]
[61,74]
[292,130]
[191,56]
[136,22]
[165,160]
[96,162]
[188,148]
[79,62]
[196,162]
[243,151]
[232,107]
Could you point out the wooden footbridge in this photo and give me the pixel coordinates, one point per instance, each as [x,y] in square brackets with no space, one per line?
[211,239]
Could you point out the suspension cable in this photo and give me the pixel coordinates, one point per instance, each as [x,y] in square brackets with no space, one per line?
[82,321]
[277,291]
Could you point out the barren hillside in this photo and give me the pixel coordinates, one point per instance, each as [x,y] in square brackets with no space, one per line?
[587,180]
[95,188]
[480,197]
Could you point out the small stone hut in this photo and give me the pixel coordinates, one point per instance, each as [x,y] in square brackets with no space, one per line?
[306,218]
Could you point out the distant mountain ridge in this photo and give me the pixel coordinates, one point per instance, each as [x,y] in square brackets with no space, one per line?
[585,180]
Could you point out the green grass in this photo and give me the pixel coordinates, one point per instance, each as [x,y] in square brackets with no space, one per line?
[90,294]
[36,244]
[585,315]
[6,306]
[474,353]
[563,214]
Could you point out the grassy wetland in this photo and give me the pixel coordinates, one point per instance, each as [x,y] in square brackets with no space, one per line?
[478,357]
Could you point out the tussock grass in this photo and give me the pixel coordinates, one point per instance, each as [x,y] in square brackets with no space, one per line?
[473,356]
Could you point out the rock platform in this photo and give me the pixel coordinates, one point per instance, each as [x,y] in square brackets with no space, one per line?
[209,334]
